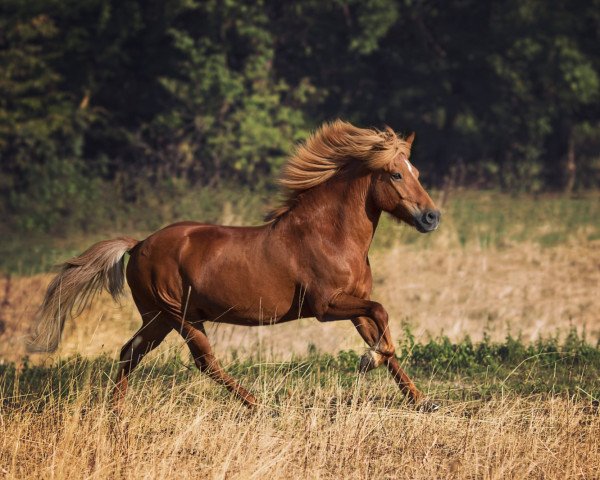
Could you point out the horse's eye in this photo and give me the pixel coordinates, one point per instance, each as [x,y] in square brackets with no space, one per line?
[396,176]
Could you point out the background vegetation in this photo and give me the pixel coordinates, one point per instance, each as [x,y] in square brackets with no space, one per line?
[107,103]
[472,221]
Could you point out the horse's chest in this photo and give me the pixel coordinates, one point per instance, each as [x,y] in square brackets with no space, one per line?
[350,274]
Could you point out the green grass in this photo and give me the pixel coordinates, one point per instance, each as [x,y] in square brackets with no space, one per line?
[27,253]
[480,219]
[462,371]
[489,219]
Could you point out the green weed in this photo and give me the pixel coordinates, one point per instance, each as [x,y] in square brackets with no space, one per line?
[455,371]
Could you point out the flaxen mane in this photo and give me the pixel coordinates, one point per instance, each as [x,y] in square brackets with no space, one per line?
[329,149]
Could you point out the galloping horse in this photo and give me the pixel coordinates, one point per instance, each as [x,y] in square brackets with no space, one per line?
[310,259]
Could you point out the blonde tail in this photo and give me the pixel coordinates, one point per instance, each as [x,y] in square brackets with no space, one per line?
[78,281]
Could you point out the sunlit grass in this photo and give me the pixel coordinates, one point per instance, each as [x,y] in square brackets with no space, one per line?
[508,410]
[497,220]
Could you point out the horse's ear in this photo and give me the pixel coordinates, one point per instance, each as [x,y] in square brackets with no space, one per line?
[410,139]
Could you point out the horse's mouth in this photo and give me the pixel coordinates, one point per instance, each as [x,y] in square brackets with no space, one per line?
[422,229]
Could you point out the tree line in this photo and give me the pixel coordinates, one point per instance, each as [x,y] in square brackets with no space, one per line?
[118,95]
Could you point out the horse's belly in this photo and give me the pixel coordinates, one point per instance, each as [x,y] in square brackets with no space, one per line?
[244,293]
[237,303]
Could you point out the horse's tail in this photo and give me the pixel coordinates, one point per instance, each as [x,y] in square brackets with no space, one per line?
[74,287]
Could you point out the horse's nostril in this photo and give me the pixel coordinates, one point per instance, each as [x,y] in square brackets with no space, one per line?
[429,218]
[428,221]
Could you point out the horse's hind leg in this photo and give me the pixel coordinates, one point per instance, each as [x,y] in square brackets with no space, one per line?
[204,358]
[146,339]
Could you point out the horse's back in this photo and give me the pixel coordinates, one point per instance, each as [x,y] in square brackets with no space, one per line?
[233,269]
[177,245]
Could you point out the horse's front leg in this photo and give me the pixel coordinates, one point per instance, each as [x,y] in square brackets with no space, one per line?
[379,340]
[371,321]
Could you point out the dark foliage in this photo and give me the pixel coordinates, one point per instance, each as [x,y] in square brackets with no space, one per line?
[102,99]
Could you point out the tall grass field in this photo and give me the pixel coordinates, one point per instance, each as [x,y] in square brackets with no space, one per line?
[495,316]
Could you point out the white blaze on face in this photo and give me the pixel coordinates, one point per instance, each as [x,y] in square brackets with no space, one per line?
[410,167]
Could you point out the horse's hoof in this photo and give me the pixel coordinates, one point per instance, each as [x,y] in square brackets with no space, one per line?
[427,406]
[370,360]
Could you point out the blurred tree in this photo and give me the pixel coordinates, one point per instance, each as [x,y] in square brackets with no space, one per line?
[43,176]
[548,82]
[232,117]
[119,95]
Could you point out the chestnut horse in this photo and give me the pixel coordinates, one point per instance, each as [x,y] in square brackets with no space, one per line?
[309,260]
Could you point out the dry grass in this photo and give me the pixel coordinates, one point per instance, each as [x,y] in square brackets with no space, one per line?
[525,289]
[187,430]
[324,428]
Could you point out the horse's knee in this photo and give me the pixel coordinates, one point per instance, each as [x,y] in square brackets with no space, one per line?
[379,314]
[384,346]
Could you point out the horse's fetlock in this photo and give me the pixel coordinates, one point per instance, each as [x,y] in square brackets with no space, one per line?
[369,360]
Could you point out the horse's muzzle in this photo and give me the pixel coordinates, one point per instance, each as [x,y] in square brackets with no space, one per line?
[427,221]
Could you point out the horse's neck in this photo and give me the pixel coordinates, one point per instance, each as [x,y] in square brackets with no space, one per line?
[341,209]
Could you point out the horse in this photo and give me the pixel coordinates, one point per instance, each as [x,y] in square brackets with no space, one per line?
[309,259]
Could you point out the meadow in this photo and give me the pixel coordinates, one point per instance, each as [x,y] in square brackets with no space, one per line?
[495,316]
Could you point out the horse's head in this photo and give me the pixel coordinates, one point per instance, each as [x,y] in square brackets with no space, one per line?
[397,190]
